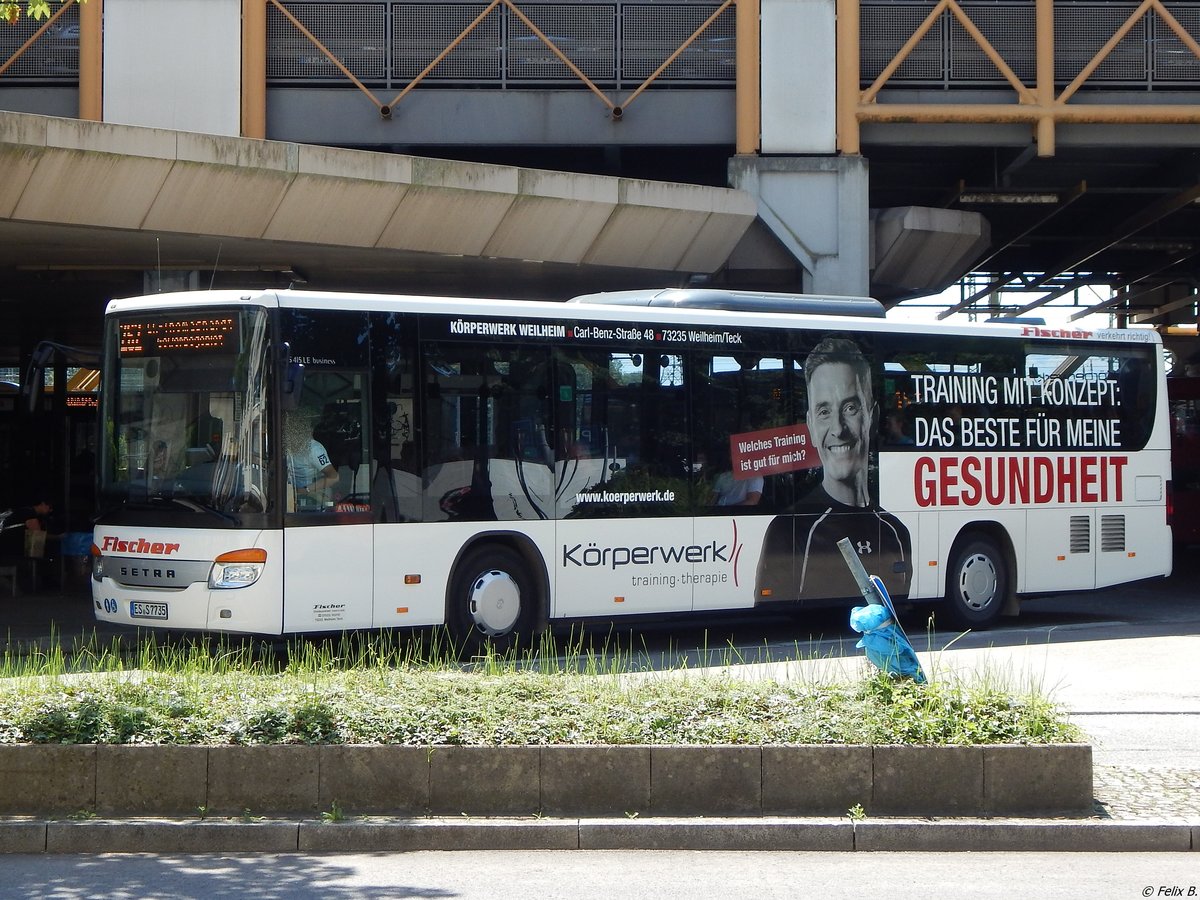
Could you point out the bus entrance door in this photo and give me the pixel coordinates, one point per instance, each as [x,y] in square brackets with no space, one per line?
[323,570]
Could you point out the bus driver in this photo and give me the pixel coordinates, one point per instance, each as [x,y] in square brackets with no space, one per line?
[310,474]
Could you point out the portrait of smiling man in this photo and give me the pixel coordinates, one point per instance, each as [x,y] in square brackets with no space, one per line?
[839,418]
[800,558]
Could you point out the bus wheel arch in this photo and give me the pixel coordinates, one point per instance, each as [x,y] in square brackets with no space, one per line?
[497,594]
[980,577]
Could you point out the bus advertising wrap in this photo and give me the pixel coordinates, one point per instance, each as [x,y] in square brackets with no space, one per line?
[994,441]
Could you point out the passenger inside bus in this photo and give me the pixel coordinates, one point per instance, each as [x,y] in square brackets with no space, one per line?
[730,491]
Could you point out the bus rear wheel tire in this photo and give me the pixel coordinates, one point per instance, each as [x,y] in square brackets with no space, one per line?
[493,601]
[977,584]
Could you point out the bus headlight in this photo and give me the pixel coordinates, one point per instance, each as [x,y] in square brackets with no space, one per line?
[97,564]
[237,569]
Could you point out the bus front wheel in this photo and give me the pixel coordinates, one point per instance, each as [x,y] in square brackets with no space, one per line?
[977,584]
[492,600]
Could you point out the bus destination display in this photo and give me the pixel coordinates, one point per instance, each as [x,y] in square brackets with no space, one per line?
[183,334]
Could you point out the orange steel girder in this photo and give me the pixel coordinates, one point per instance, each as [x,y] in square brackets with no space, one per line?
[1036,105]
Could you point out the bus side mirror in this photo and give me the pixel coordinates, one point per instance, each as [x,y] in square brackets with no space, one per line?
[293,385]
[35,377]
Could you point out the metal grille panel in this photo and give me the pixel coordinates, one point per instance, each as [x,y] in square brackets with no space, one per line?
[53,57]
[884,29]
[585,33]
[420,31]
[1081,534]
[353,32]
[1009,29]
[1172,61]
[650,34]
[1112,534]
[1081,29]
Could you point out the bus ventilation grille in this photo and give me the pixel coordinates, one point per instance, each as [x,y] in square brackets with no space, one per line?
[1081,534]
[1112,534]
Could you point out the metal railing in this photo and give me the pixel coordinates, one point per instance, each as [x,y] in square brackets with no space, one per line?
[615,45]
[1150,56]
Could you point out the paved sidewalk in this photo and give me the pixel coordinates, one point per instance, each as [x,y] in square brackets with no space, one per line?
[1130,794]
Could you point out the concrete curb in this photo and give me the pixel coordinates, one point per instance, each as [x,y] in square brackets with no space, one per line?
[558,781]
[377,835]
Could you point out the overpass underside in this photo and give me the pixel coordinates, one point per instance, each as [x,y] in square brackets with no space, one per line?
[1048,148]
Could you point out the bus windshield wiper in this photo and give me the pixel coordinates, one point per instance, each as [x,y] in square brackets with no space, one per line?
[196,505]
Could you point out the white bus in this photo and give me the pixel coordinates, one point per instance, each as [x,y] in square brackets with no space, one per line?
[285,462]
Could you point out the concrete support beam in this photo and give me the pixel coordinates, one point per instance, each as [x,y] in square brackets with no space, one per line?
[921,250]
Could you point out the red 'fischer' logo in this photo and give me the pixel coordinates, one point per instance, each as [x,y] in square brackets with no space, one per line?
[1075,333]
[138,546]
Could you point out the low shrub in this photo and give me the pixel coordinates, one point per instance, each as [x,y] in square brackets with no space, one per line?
[341,693]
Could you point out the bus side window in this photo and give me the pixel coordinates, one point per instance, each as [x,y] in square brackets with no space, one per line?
[328,432]
[395,473]
[487,432]
[396,482]
[622,424]
[737,399]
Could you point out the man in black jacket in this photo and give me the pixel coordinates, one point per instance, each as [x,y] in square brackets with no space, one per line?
[800,558]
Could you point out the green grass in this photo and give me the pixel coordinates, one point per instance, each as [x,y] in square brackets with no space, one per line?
[381,689]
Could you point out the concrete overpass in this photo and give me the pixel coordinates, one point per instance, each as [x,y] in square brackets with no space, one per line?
[86,194]
[885,147]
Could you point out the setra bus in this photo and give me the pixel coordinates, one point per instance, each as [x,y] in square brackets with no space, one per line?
[284,462]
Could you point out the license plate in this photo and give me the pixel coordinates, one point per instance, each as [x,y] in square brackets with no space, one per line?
[139,609]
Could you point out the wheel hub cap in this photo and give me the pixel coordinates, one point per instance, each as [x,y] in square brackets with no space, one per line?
[978,582]
[495,602]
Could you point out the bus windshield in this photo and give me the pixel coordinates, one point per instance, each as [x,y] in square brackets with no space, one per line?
[185,407]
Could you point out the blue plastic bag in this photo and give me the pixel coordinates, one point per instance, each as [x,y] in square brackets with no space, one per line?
[883,638]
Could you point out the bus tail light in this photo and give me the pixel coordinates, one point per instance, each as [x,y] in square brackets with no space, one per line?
[237,569]
[1170,503]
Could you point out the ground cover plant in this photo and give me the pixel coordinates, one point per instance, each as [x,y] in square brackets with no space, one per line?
[384,690]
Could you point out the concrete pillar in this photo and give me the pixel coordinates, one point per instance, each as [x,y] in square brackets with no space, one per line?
[174,65]
[816,206]
[799,76]
[811,200]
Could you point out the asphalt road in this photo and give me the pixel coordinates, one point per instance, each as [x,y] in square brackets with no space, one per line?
[605,875]
[1153,608]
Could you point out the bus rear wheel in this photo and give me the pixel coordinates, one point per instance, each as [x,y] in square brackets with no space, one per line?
[493,601]
[977,584]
